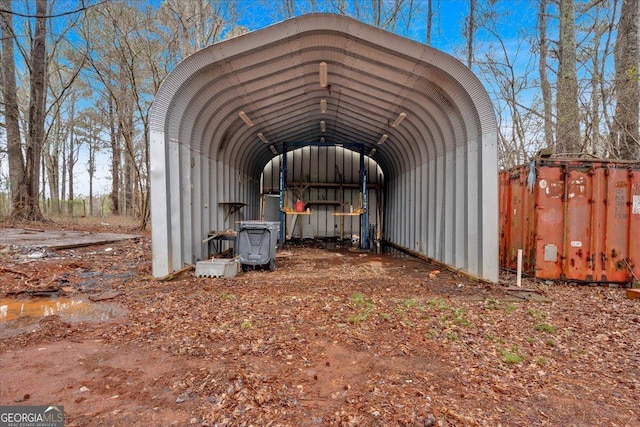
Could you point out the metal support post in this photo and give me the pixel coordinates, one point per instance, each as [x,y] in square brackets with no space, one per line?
[283,187]
[365,213]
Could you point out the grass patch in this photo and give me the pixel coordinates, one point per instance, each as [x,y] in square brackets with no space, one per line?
[510,308]
[494,338]
[432,334]
[513,356]
[246,324]
[545,327]
[456,316]
[408,323]
[438,303]
[365,305]
[411,303]
[357,299]
[459,317]
[359,317]
[536,314]
[492,304]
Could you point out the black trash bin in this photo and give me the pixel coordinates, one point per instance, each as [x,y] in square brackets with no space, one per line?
[256,244]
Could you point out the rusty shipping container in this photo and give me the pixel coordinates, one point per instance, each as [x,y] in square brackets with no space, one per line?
[575,220]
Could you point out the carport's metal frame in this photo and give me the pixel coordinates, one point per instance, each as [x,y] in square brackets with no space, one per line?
[439,163]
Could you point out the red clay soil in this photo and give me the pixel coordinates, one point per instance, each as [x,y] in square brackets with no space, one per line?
[331,338]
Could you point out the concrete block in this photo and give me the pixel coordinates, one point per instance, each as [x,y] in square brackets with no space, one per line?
[217,268]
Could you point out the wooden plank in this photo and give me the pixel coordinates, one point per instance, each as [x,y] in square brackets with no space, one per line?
[171,276]
[104,296]
[90,243]
[295,184]
[323,202]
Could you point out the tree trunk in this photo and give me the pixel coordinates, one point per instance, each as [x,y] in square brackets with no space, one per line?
[91,168]
[470,30]
[545,86]
[128,185]
[115,160]
[567,110]
[37,100]
[625,134]
[72,162]
[63,174]
[12,114]
[429,21]
[52,165]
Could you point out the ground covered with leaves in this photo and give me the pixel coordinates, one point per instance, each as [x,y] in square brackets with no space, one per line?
[333,337]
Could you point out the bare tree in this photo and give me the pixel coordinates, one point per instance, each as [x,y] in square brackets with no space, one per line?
[27,176]
[470,25]
[288,8]
[594,57]
[567,109]
[30,210]
[88,130]
[108,32]
[116,156]
[12,112]
[64,93]
[510,80]
[429,21]
[73,148]
[190,25]
[625,133]
[545,85]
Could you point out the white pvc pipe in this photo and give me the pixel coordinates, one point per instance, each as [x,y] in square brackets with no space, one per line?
[519,273]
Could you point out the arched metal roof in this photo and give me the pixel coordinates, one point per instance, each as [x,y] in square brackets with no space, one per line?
[440,160]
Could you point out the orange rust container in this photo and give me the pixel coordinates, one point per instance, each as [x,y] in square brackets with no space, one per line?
[575,220]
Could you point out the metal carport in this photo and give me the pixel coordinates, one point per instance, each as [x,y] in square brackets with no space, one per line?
[213,113]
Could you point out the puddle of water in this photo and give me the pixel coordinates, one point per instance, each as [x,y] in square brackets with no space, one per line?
[22,312]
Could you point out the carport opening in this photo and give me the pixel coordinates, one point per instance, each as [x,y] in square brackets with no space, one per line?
[322,195]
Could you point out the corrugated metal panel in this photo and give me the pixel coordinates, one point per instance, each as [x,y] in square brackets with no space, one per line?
[575,220]
[440,163]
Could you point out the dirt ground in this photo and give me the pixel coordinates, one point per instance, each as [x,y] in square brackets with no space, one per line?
[333,337]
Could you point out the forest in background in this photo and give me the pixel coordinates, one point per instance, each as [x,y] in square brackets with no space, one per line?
[79,77]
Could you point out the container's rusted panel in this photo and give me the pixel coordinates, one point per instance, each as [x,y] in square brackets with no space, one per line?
[616,247]
[548,221]
[515,216]
[634,223]
[574,220]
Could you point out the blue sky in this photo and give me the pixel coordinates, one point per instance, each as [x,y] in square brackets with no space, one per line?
[516,23]
[448,20]
[447,32]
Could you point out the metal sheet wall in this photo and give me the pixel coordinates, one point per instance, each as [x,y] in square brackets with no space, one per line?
[323,169]
[574,220]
